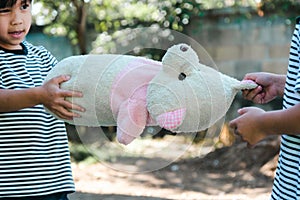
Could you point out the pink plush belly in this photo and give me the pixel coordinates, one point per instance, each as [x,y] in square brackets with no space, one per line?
[128,98]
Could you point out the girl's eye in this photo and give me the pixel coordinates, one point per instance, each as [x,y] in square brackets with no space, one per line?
[4,10]
[24,7]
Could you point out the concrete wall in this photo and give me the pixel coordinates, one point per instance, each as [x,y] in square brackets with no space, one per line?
[236,46]
[259,44]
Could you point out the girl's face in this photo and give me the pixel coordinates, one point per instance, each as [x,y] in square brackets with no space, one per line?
[15,23]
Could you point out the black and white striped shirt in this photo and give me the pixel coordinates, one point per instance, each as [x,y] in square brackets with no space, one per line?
[287,180]
[34,153]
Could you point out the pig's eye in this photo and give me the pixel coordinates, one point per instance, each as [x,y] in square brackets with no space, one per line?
[182,76]
[184,48]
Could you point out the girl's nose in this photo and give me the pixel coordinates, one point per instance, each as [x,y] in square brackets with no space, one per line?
[16,18]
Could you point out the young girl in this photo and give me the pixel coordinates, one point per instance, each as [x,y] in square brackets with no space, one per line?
[255,124]
[34,154]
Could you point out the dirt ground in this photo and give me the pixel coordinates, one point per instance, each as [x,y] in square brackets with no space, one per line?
[227,173]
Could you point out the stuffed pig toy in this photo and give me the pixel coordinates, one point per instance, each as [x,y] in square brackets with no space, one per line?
[179,94]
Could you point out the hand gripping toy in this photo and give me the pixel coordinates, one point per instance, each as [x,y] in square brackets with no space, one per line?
[179,94]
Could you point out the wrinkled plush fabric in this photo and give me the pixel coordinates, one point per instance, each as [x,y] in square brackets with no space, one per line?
[200,95]
[179,93]
[114,89]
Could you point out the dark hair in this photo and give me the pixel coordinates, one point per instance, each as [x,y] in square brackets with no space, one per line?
[11,3]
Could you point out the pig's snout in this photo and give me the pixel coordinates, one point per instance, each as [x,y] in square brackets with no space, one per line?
[171,120]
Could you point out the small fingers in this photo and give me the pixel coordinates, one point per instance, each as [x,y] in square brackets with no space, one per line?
[237,133]
[65,109]
[78,108]
[251,94]
[66,114]
[62,116]
[234,127]
[71,106]
[232,124]
[255,96]
[60,79]
[69,93]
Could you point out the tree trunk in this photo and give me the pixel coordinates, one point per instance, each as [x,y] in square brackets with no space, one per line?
[81,8]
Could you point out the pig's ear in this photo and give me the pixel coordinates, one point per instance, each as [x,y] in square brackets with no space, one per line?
[171,120]
[180,55]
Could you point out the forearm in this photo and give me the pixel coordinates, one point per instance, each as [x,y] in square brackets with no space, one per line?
[12,100]
[282,121]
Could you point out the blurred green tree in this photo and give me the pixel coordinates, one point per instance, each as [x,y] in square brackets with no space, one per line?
[67,18]
[287,8]
[73,18]
[76,18]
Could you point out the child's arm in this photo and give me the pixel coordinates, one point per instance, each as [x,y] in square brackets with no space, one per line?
[254,124]
[49,94]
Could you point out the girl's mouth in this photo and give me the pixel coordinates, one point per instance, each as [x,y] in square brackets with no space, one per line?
[16,34]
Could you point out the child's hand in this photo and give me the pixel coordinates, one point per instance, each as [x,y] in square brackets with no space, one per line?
[249,126]
[53,98]
[269,87]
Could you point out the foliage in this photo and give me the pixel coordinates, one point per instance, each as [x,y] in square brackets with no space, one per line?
[65,18]
[217,4]
[112,19]
[287,8]
[57,17]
